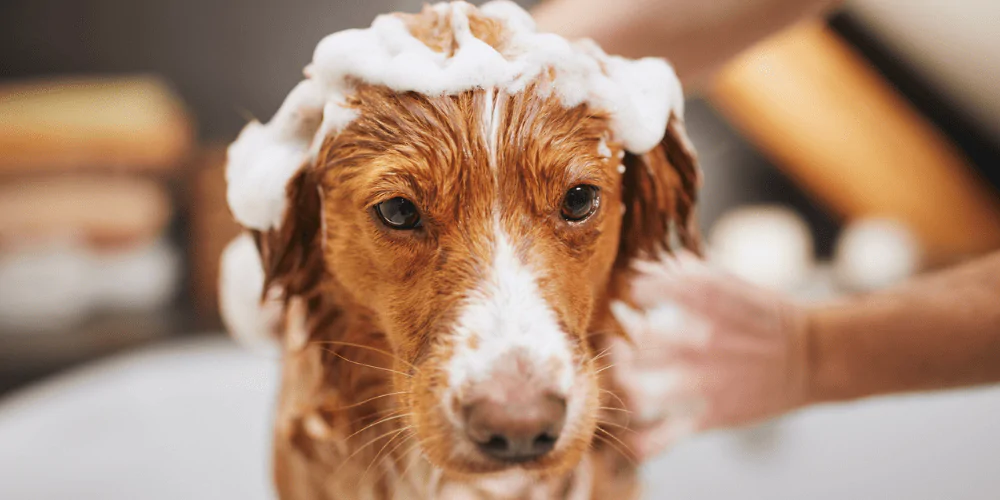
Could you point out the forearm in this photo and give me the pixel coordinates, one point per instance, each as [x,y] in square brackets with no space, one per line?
[696,36]
[938,332]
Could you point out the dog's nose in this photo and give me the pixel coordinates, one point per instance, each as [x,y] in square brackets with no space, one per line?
[516,431]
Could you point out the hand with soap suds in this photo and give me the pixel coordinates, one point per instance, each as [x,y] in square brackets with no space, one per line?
[705,351]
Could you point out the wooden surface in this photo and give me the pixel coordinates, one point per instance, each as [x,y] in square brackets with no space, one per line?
[77,124]
[819,111]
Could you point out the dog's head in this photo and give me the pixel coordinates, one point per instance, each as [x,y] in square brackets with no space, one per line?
[476,191]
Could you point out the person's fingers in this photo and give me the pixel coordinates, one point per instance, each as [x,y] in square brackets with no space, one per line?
[664,421]
[680,262]
[653,395]
[673,354]
[667,320]
[633,321]
[658,334]
[684,268]
[687,290]
[648,443]
[716,298]
[648,391]
[749,344]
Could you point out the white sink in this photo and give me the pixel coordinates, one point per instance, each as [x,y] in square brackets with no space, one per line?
[192,421]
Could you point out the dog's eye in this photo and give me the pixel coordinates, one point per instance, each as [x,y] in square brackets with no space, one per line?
[398,213]
[580,202]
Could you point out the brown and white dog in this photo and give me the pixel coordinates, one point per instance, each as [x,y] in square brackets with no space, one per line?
[443,212]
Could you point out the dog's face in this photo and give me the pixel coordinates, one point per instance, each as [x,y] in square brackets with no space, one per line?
[480,229]
[483,233]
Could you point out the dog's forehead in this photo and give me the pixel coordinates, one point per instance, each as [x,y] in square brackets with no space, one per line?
[480,141]
[483,122]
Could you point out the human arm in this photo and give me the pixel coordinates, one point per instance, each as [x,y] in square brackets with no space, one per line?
[936,332]
[741,354]
[696,36]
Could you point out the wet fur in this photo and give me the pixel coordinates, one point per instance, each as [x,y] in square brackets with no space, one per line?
[367,308]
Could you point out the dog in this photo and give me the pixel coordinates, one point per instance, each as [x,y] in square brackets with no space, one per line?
[440,216]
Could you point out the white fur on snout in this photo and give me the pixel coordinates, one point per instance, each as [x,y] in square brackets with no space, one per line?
[507,315]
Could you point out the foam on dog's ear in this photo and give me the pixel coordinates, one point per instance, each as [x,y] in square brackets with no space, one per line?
[272,191]
[265,156]
[263,271]
[660,189]
[250,314]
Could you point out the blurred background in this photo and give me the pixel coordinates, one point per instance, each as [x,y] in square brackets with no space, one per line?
[840,156]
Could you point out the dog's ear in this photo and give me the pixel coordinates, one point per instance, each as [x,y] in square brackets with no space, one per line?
[290,253]
[660,189]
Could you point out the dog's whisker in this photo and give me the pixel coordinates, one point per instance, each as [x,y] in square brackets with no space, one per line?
[410,464]
[617,440]
[615,447]
[620,401]
[337,354]
[370,348]
[386,445]
[405,440]
[612,408]
[360,448]
[590,361]
[613,424]
[416,458]
[402,475]
[604,368]
[377,422]
[604,353]
[373,398]
[612,394]
[383,413]
[600,354]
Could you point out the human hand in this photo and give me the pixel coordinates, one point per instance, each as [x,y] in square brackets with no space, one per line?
[705,350]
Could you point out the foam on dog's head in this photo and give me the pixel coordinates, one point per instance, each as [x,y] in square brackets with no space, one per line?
[639,96]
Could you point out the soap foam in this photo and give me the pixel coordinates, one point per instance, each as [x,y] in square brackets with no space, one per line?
[638,95]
